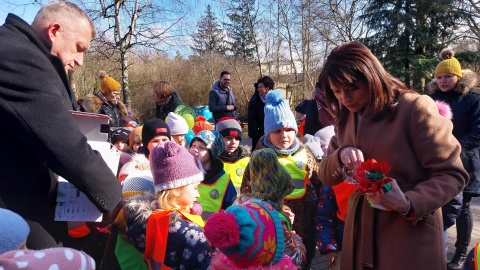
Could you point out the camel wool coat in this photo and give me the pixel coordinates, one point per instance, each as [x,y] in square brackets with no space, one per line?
[424,156]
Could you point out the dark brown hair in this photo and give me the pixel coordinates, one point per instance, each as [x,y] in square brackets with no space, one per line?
[352,62]
[267,82]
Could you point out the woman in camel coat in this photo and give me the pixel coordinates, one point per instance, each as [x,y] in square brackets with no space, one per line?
[378,117]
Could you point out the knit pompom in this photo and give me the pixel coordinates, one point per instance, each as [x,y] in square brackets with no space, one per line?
[102,74]
[444,109]
[170,150]
[447,53]
[274,97]
[200,119]
[196,209]
[222,230]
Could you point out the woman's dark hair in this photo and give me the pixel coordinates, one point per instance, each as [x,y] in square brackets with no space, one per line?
[267,82]
[352,62]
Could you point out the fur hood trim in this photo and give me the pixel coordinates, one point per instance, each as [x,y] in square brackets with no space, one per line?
[139,207]
[92,104]
[246,150]
[465,84]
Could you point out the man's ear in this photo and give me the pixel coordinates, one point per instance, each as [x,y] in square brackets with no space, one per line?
[52,31]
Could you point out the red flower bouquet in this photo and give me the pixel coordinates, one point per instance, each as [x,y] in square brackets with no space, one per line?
[372,176]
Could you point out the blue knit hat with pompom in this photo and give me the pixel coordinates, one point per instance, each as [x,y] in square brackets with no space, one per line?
[278,113]
[13,230]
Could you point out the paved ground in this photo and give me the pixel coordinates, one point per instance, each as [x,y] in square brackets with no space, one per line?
[319,262]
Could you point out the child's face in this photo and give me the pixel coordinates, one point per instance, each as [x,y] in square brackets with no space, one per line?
[121,146]
[156,141]
[188,195]
[200,150]
[282,138]
[231,144]
[136,145]
[324,147]
[180,139]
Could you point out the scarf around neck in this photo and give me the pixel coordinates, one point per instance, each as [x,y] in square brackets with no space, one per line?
[285,152]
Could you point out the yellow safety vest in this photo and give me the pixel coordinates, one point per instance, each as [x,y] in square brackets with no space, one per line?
[236,171]
[296,166]
[211,195]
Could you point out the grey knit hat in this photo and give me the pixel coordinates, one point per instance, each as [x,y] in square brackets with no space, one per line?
[229,126]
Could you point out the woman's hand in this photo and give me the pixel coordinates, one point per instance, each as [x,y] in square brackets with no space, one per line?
[351,157]
[395,199]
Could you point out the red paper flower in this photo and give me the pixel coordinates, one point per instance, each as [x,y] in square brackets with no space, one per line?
[372,176]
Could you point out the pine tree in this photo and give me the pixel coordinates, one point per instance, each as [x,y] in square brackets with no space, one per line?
[240,29]
[210,36]
[409,34]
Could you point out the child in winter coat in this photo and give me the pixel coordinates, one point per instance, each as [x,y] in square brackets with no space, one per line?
[135,139]
[280,135]
[178,128]
[162,227]
[271,182]
[120,253]
[217,190]
[155,131]
[235,158]
[248,236]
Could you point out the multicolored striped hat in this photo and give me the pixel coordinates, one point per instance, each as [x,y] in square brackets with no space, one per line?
[249,235]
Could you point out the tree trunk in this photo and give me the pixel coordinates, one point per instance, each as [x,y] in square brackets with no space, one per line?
[126,89]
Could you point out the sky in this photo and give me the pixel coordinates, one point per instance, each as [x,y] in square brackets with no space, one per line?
[25,9]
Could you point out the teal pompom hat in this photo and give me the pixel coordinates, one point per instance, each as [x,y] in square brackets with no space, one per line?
[250,235]
[278,113]
[213,140]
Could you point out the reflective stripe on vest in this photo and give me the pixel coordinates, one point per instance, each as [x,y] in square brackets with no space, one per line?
[236,171]
[296,166]
[211,195]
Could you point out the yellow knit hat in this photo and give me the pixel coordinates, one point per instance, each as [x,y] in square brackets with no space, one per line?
[450,64]
[108,84]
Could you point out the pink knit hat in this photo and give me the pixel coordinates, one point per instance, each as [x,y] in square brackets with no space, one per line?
[173,166]
[52,258]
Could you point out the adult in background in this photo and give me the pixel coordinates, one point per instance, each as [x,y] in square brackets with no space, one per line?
[35,99]
[166,100]
[107,101]
[378,117]
[221,101]
[456,87]
[319,115]
[256,105]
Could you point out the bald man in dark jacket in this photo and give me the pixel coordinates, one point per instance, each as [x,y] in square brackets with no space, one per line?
[39,134]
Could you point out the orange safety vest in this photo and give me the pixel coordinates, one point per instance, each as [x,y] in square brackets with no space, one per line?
[79,232]
[476,256]
[342,192]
